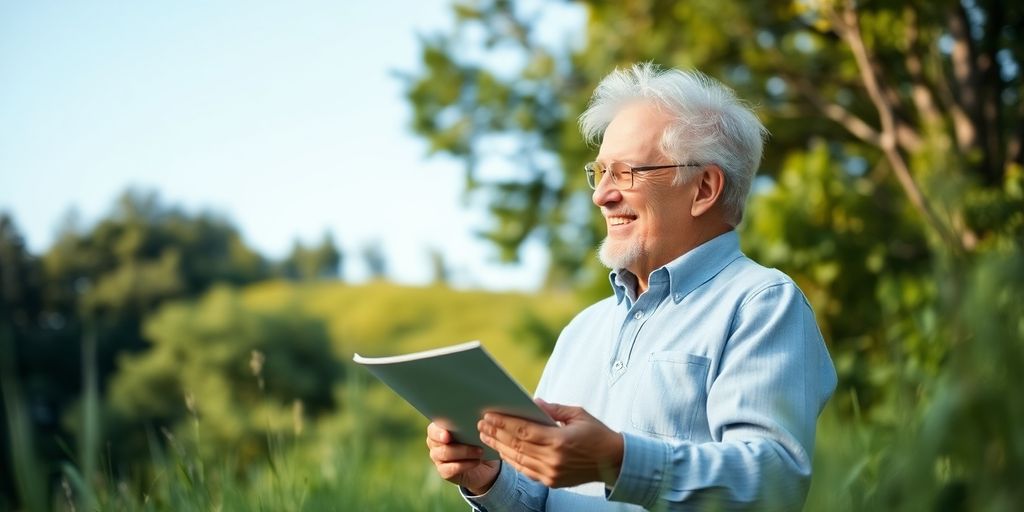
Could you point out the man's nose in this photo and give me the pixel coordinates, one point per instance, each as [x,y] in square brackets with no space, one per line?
[606,192]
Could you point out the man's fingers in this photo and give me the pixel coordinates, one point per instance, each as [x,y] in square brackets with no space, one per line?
[455,452]
[443,447]
[512,449]
[449,470]
[522,460]
[507,428]
[438,434]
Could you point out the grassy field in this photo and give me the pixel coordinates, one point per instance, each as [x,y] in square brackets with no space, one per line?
[366,452]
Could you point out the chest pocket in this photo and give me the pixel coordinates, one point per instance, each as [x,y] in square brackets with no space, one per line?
[670,394]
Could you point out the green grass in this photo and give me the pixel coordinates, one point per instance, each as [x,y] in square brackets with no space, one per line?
[321,471]
[368,452]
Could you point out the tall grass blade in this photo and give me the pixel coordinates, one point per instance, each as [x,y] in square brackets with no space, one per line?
[86,497]
[90,407]
[28,478]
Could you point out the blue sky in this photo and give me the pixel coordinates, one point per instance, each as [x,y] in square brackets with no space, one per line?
[283,116]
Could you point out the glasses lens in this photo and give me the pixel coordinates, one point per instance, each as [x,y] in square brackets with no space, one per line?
[595,171]
[622,175]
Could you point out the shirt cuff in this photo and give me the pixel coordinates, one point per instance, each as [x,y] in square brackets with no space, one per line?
[644,471]
[501,495]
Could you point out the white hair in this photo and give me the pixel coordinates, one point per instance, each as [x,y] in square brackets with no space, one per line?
[710,125]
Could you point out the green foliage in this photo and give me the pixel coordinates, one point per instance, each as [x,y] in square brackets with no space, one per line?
[860,258]
[891,190]
[142,310]
[972,397]
[959,444]
[241,371]
[308,263]
[19,444]
[812,67]
[383,318]
[98,284]
[146,252]
[473,111]
[197,420]
[298,471]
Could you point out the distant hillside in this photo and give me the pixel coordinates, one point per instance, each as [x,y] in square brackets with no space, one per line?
[383,318]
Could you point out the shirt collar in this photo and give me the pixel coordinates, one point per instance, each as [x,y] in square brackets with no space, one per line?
[686,272]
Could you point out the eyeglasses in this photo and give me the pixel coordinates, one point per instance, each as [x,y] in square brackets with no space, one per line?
[622,173]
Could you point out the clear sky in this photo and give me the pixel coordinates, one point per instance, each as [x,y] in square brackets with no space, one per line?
[283,116]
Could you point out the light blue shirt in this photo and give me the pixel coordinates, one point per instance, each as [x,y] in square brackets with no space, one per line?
[715,377]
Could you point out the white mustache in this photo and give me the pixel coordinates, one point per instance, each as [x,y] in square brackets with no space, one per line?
[623,212]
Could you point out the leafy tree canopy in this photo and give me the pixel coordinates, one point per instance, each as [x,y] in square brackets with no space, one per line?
[891,190]
[239,370]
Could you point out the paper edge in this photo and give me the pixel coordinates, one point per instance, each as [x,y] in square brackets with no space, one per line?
[415,356]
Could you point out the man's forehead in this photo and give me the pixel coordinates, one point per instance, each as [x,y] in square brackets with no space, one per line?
[635,131]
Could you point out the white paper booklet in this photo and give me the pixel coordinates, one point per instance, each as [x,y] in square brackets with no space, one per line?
[454,386]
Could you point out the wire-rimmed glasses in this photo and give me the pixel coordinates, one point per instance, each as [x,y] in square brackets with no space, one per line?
[622,173]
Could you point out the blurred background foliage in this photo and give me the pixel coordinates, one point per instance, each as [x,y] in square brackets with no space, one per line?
[153,360]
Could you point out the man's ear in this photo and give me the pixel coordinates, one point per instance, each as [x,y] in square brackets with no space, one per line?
[708,187]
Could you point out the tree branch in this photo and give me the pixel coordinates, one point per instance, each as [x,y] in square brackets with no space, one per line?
[920,94]
[991,89]
[848,27]
[965,94]
[963,128]
[906,135]
[836,112]
[1015,139]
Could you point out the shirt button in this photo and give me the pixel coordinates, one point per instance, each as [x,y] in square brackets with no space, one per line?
[618,366]
[638,315]
[679,296]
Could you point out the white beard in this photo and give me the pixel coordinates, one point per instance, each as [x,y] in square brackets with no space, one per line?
[620,253]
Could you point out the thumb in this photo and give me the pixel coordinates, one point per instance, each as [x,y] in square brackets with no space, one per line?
[558,412]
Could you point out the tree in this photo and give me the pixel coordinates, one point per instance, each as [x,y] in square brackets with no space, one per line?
[144,253]
[99,284]
[20,320]
[375,260]
[321,262]
[19,276]
[439,270]
[901,82]
[891,184]
[237,370]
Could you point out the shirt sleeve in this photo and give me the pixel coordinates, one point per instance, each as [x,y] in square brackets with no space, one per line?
[773,380]
[511,491]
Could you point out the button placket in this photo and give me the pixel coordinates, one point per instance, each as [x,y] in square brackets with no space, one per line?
[638,315]
[644,307]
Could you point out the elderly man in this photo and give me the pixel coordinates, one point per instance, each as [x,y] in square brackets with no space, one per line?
[697,384]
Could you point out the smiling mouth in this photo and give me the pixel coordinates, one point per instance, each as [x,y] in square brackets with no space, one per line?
[618,220]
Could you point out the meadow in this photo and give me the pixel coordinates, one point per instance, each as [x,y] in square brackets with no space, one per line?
[365,451]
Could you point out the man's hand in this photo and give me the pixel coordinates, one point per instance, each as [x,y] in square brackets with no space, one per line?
[460,464]
[582,450]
